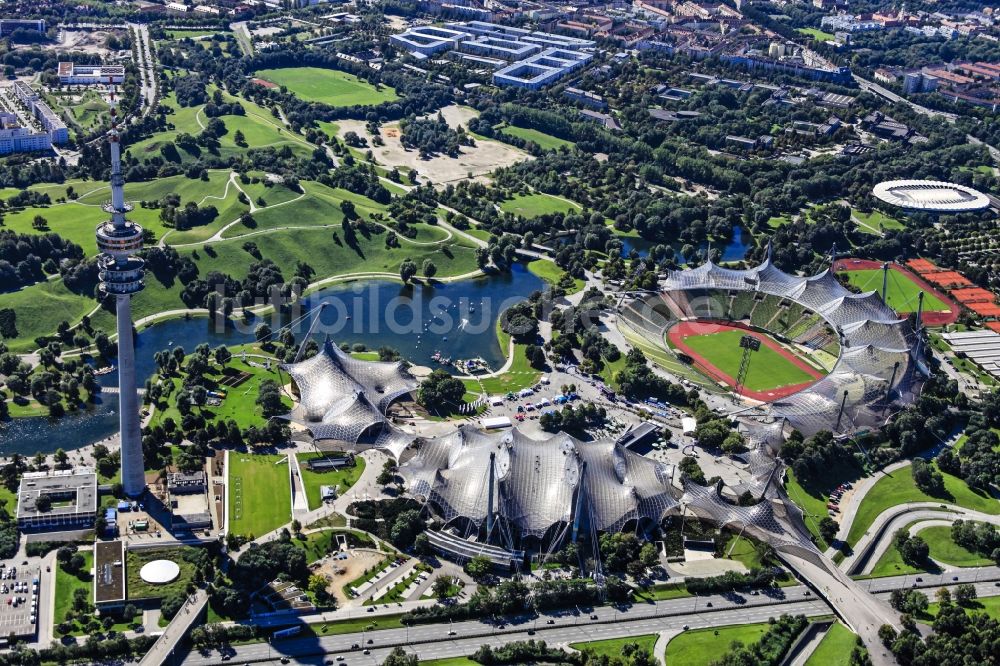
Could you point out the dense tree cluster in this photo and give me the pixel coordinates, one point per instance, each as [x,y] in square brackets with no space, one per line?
[433,136]
[441,392]
[981,538]
[772,646]
[959,637]
[27,258]
[573,419]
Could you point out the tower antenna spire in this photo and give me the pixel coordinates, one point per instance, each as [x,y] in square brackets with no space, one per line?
[121,273]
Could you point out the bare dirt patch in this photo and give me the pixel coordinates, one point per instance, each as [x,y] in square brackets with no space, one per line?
[474,161]
[341,572]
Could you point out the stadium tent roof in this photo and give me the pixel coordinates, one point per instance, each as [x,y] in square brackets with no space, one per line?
[342,397]
[877,372]
[932,196]
[538,484]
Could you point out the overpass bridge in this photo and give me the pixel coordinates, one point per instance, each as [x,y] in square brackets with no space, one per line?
[190,614]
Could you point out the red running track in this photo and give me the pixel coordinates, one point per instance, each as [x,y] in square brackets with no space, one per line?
[930,318]
[686,329]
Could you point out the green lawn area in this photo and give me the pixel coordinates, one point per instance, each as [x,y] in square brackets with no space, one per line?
[259,127]
[259,499]
[328,86]
[943,549]
[318,544]
[544,141]
[613,646]
[891,564]
[988,605]
[39,308]
[662,592]
[136,559]
[538,203]
[875,221]
[768,369]
[343,478]
[898,488]
[552,274]
[356,624]
[67,583]
[194,34]
[701,647]
[778,221]
[743,551]
[901,293]
[240,403]
[816,34]
[519,376]
[835,648]
[813,500]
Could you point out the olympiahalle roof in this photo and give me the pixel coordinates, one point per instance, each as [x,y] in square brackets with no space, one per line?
[538,484]
[932,196]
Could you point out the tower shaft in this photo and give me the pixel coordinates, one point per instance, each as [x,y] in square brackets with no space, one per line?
[133,469]
[121,272]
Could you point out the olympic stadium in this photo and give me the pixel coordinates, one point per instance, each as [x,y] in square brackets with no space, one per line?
[930,196]
[875,367]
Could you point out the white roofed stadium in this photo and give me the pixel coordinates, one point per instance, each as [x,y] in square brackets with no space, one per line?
[930,196]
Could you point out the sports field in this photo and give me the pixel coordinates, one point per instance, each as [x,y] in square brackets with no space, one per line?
[544,141]
[328,86]
[901,294]
[259,493]
[774,371]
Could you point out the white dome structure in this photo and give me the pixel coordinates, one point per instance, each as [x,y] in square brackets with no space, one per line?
[931,196]
[159,572]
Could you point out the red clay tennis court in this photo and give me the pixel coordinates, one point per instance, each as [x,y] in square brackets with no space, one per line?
[948,279]
[922,266]
[973,295]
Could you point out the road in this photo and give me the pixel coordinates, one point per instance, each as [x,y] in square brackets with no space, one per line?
[146,65]
[186,618]
[673,615]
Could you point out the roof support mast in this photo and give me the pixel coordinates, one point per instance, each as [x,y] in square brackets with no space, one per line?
[489,500]
[885,282]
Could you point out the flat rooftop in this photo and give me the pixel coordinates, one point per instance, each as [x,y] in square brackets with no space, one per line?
[109,571]
[70,492]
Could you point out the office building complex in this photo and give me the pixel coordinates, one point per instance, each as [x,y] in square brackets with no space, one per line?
[70,73]
[523,58]
[118,239]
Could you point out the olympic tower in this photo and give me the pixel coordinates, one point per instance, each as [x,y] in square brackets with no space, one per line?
[118,239]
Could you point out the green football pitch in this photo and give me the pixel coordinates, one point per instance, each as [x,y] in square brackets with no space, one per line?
[901,291]
[769,369]
[259,493]
[328,86]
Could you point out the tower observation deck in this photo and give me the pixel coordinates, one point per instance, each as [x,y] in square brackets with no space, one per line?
[121,272]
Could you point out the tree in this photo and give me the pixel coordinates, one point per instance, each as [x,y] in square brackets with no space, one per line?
[172,603]
[61,457]
[927,478]
[269,398]
[429,269]
[407,270]
[399,657]
[441,392]
[828,528]
[478,567]
[239,139]
[442,586]
[965,594]
[43,504]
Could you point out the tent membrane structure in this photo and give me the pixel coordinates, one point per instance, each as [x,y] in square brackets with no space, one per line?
[510,488]
[343,398]
[878,369]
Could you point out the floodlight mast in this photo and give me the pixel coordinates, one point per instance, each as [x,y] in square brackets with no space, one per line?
[749,343]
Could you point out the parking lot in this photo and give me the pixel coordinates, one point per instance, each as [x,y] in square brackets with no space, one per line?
[18,599]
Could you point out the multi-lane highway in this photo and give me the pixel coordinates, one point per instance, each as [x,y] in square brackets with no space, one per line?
[438,641]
